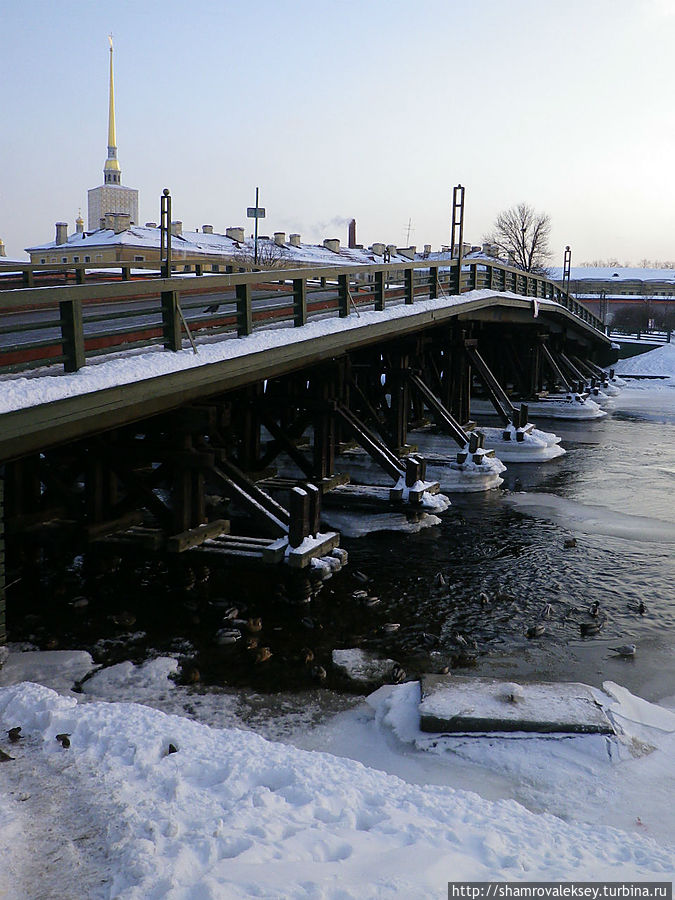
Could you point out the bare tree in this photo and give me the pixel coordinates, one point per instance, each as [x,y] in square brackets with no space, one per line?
[523,234]
[270,256]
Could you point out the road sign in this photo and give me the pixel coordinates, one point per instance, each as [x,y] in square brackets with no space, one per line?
[255,212]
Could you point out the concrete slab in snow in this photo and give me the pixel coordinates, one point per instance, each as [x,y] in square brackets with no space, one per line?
[453,703]
[363,668]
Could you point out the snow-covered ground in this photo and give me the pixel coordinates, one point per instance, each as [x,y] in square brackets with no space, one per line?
[357,804]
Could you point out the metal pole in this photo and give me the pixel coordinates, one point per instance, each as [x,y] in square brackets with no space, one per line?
[255,256]
[567,264]
[165,233]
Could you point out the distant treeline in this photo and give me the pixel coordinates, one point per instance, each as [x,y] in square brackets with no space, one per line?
[613,263]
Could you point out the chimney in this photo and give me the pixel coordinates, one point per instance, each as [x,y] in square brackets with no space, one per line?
[61,232]
[294,240]
[391,248]
[207,229]
[237,234]
[332,244]
[176,228]
[407,252]
[116,222]
[2,248]
[151,224]
[427,250]
[378,249]
[352,234]
[280,238]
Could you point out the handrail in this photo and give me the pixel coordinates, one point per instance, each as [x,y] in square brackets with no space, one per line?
[245,300]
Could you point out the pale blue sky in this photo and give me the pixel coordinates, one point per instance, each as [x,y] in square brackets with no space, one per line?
[369,109]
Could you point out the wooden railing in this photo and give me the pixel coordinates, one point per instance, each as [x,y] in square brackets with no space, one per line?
[69,323]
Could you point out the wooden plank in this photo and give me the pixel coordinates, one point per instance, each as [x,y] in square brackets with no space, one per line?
[193,537]
[274,552]
[100,529]
[300,560]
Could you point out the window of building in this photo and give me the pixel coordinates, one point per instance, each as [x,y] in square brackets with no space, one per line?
[99,257]
[53,259]
[64,259]
[87,259]
[43,261]
[76,259]
[139,258]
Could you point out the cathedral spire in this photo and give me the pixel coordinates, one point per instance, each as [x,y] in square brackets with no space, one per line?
[111,169]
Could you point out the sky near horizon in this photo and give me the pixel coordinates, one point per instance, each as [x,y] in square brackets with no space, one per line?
[371,109]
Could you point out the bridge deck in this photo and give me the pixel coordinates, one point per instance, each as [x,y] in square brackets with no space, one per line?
[107,395]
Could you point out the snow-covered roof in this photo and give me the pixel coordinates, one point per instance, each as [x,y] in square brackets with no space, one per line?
[617,273]
[197,243]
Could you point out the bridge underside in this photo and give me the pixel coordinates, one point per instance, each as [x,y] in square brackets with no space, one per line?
[196,462]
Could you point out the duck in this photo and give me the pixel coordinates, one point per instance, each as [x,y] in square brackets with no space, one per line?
[253,626]
[535,630]
[224,637]
[570,543]
[63,739]
[625,650]
[319,673]
[14,734]
[262,654]
[398,674]
[306,656]
[589,628]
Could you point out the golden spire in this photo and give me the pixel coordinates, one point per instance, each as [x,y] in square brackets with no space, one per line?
[111,169]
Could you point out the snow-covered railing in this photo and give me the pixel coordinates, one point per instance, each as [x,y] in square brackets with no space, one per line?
[69,323]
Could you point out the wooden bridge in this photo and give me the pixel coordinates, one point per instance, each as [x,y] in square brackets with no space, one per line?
[298,364]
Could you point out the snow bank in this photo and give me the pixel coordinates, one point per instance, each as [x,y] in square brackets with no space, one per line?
[655,362]
[229,814]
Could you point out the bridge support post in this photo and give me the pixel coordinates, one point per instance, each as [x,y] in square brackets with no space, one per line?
[408,286]
[433,283]
[3,630]
[324,430]
[298,509]
[244,315]
[249,423]
[72,334]
[299,302]
[536,384]
[343,296]
[171,321]
[400,400]
[379,291]
[459,378]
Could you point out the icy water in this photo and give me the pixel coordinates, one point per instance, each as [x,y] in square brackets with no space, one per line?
[612,495]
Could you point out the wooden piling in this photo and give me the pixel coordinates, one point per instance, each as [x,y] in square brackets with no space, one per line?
[3,631]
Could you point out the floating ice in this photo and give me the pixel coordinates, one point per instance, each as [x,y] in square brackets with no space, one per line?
[593,519]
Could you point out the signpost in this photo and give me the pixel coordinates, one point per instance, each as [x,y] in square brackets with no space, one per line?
[256,212]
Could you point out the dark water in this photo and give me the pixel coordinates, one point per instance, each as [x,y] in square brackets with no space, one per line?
[613,493]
